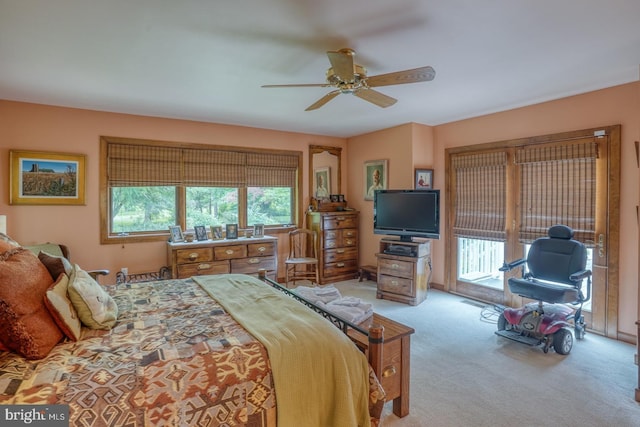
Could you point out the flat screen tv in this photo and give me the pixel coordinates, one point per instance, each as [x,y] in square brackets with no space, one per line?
[407,213]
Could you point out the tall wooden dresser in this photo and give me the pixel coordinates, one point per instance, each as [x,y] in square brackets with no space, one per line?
[337,244]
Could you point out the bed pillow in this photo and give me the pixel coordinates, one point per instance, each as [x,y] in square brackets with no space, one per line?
[26,327]
[61,308]
[5,238]
[95,307]
[55,264]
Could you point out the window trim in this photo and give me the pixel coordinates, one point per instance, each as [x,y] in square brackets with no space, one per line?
[104,193]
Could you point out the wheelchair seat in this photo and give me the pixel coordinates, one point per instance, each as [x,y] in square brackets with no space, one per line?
[557,266]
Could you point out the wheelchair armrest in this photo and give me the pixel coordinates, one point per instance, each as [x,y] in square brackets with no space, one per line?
[579,275]
[510,266]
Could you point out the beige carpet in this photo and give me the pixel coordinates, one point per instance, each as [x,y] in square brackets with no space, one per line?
[462,374]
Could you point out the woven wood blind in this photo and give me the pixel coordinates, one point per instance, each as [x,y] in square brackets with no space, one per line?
[480,195]
[558,186]
[149,165]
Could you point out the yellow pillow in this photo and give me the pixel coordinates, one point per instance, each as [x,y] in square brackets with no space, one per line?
[95,307]
[61,308]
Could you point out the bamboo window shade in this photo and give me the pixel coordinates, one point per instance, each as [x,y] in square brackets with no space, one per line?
[480,195]
[558,186]
[149,165]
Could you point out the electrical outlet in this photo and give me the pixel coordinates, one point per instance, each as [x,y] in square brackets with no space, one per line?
[125,271]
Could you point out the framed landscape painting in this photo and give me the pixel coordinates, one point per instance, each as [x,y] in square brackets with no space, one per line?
[42,178]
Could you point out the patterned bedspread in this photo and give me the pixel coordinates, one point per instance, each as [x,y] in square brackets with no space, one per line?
[175,358]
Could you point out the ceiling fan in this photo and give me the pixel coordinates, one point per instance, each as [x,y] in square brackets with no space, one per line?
[348,77]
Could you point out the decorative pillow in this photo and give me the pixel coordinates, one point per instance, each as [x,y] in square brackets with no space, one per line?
[61,308]
[26,327]
[96,308]
[55,264]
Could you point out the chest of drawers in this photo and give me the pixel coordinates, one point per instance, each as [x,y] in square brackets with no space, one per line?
[337,244]
[243,255]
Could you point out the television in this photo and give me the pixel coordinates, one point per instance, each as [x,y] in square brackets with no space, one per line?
[407,213]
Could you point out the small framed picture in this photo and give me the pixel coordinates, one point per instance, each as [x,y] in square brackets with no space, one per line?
[258,230]
[232,231]
[334,198]
[175,233]
[424,179]
[341,198]
[201,232]
[216,232]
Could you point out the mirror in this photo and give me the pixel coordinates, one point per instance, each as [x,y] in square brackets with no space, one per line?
[324,171]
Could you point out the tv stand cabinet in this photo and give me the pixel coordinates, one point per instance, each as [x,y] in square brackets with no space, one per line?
[404,270]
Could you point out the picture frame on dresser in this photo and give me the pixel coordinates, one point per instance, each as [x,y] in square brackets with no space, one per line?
[175,234]
[216,232]
[258,230]
[201,233]
[232,231]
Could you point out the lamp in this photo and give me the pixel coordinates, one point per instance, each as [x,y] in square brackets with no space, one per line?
[3,224]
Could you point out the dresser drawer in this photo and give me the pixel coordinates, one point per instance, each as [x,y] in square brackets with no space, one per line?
[194,255]
[396,285]
[260,249]
[340,254]
[394,267]
[252,264]
[341,267]
[340,221]
[230,252]
[203,268]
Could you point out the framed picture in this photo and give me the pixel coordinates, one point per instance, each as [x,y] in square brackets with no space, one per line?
[341,197]
[232,231]
[216,232]
[175,233]
[42,178]
[424,179]
[375,177]
[258,230]
[201,232]
[322,182]
[334,198]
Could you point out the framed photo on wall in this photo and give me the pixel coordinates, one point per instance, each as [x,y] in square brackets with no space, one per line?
[232,231]
[42,178]
[424,179]
[322,182]
[201,232]
[375,177]
[175,233]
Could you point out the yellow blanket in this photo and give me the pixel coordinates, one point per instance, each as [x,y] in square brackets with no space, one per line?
[321,378]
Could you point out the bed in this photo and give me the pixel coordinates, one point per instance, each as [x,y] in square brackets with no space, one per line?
[194,352]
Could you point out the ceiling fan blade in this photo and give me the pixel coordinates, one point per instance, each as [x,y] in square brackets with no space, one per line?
[301,85]
[423,74]
[320,102]
[342,64]
[375,97]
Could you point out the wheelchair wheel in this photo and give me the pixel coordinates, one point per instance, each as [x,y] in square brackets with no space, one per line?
[502,323]
[562,341]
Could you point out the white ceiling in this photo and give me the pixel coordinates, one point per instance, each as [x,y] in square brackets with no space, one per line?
[206,60]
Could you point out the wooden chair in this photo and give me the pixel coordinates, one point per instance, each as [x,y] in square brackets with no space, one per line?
[302,262]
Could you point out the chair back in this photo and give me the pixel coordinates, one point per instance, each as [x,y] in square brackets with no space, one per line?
[556,257]
[302,243]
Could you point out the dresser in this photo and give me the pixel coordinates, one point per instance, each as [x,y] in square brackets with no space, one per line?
[404,271]
[337,244]
[245,255]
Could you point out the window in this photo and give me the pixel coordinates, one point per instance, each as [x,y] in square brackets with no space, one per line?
[147,186]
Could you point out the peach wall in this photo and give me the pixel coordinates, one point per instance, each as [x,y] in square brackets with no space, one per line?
[38,127]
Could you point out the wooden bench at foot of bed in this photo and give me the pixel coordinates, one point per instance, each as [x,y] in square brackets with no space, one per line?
[385,342]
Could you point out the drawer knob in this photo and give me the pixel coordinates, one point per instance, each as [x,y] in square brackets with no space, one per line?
[349,242]
[340,264]
[193,256]
[203,266]
[262,249]
[394,282]
[254,261]
[389,371]
[395,266]
[340,218]
[340,251]
[229,251]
